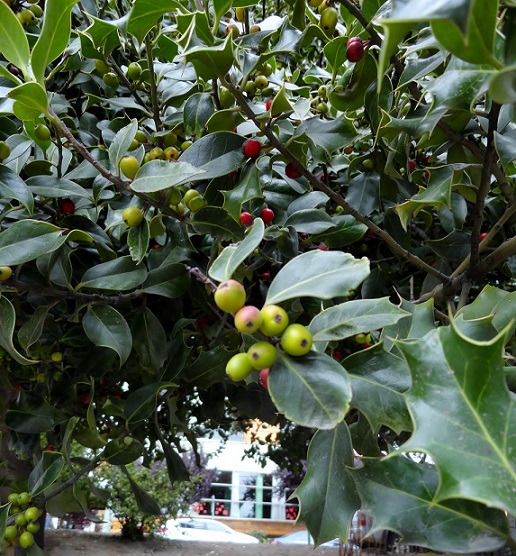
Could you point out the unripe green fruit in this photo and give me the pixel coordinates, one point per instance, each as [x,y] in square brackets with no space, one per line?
[102,67]
[26,540]
[5,151]
[140,136]
[20,520]
[360,338]
[42,132]
[328,21]
[322,91]
[13,497]
[110,79]
[239,367]
[32,513]
[314,3]
[156,153]
[261,81]
[132,216]
[275,320]
[11,532]
[57,357]
[23,498]
[368,164]
[248,319]
[226,98]
[41,378]
[174,196]
[230,296]
[267,69]
[134,71]
[189,196]
[186,145]
[262,355]
[255,29]
[134,145]
[33,527]
[233,31]
[250,88]
[36,10]
[170,154]
[26,16]
[5,273]
[322,107]
[170,139]
[296,340]
[197,203]
[240,14]
[129,166]
[128,440]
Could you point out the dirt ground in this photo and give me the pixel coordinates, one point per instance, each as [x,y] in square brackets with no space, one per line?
[66,542]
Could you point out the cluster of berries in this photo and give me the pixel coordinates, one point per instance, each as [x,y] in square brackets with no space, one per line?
[25,521]
[271,321]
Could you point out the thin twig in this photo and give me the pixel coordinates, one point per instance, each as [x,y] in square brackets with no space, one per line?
[152,81]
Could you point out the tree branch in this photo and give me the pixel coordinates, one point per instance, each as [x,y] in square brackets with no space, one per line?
[321,186]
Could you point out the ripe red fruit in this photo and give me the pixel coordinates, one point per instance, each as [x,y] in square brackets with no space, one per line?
[246,218]
[266,276]
[411,165]
[251,148]
[483,236]
[50,448]
[355,49]
[267,215]
[322,247]
[264,378]
[67,206]
[292,172]
[248,319]
[268,104]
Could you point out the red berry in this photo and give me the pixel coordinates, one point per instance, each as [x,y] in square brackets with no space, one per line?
[354,50]
[49,448]
[251,148]
[337,355]
[483,236]
[246,218]
[266,276]
[85,399]
[411,165]
[322,247]
[292,172]
[267,215]
[156,246]
[264,377]
[365,345]
[268,104]
[371,232]
[426,175]
[67,206]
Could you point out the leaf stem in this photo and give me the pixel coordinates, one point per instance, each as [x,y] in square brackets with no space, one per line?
[152,81]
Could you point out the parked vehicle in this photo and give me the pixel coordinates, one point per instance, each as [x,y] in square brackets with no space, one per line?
[209,530]
[304,538]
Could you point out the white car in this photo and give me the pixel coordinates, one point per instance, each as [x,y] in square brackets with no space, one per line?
[209,530]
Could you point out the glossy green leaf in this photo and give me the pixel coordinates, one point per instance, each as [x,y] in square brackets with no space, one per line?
[54,36]
[217,154]
[7,325]
[437,194]
[401,495]
[4,514]
[175,465]
[14,45]
[30,99]
[82,498]
[350,318]
[329,135]
[327,493]
[106,327]
[506,144]
[458,11]
[45,473]
[31,329]
[158,175]
[27,240]
[347,230]
[170,280]
[212,61]
[120,145]
[364,192]
[459,392]
[234,255]
[312,390]
[149,340]
[56,188]
[138,239]
[216,221]
[142,402]
[378,379]
[503,86]
[221,7]
[105,34]
[318,274]
[248,188]
[146,13]
[310,221]
[146,503]
[197,111]
[209,368]
[118,274]
[31,415]
[119,453]
[13,187]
